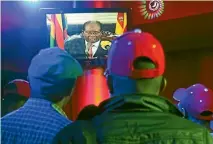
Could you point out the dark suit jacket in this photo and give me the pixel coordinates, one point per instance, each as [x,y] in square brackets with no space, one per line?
[76,47]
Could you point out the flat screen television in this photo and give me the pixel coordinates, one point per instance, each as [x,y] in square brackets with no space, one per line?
[85,33]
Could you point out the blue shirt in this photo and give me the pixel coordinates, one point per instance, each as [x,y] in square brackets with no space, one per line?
[37,122]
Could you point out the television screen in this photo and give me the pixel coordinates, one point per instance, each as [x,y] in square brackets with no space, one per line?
[87,36]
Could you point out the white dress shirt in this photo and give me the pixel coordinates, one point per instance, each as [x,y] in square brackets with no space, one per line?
[94,47]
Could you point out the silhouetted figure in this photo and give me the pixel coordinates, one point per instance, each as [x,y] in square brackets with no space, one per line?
[136,113]
[196,103]
[15,95]
[52,75]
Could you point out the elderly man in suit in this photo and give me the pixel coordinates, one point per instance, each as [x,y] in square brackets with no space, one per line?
[88,44]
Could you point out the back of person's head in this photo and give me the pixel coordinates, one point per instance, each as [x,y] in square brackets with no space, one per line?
[136,64]
[88,112]
[52,74]
[15,95]
[196,103]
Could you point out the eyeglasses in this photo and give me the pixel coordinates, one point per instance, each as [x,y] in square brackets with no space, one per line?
[92,32]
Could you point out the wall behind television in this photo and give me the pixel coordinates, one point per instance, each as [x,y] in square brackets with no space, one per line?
[188,67]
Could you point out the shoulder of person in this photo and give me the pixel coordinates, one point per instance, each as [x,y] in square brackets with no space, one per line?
[78,132]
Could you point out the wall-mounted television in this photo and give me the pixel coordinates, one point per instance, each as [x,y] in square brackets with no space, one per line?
[85,33]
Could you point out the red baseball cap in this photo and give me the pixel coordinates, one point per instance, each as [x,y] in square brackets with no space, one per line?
[131,45]
[18,86]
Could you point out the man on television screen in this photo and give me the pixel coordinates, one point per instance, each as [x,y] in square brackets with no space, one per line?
[88,45]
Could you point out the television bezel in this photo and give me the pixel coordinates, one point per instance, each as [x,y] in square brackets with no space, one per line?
[46,11]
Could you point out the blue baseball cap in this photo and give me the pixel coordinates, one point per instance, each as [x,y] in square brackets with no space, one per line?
[52,74]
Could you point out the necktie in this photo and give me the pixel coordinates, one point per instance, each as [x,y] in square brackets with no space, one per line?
[90,55]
